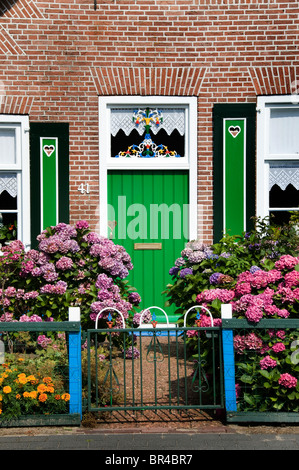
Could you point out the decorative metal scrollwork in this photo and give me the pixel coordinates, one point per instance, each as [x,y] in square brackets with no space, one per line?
[200,377]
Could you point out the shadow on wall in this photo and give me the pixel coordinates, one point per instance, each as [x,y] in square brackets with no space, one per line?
[6,5]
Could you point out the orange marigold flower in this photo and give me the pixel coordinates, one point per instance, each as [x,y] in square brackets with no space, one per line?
[66,396]
[26,394]
[18,396]
[7,389]
[57,397]
[41,388]
[22,380]
[31,377]
[47,380]
[50,389]
[43,397]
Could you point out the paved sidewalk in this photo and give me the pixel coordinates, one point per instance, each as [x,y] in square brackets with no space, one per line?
[115,443]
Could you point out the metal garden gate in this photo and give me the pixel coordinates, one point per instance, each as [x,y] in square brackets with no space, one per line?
[151,368]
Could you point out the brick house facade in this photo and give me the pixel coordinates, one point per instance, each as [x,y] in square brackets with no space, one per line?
[59,58]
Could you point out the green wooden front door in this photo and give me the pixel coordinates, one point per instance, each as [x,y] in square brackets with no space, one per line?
[151,212]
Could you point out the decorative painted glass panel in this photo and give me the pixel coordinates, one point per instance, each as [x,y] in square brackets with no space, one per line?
[147,132]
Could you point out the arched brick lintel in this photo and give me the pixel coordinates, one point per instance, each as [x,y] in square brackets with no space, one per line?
[144,81]
[275,80]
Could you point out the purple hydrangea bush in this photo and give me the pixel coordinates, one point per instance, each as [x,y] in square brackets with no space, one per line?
[71,266]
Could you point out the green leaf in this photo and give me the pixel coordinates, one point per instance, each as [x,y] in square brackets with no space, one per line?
[249,399]
[267,385]
[248,379]
[265,373]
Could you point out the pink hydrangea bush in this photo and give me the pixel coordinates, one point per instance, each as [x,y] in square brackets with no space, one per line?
[71,265]
[267,378]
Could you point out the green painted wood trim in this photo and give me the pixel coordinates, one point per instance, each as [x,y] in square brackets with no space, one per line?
[235,323]
[234,167]
[49,181]
[262,417]
[41,326]
[42,420]
[48,130]
[233,111]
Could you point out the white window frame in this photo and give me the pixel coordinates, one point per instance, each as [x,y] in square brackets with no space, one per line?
[22,169]
[189,162]
[264,158]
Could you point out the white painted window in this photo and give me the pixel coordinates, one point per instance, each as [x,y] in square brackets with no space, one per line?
[14,175]
[277,157]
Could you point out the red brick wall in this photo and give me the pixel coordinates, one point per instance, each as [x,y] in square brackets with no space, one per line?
[56,58]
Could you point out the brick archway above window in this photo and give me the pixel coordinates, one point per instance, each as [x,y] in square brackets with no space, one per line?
[178,81]
[15,104]
[280,80]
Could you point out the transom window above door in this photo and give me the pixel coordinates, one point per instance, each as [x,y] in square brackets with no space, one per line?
[147,132]
[277,158]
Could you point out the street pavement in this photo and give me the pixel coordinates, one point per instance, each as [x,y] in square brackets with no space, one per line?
[149,447]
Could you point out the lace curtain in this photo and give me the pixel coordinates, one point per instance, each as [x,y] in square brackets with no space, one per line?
[8,182]
[284,174]
[121,118]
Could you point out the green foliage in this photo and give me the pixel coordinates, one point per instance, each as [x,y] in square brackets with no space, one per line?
[8,232]
[234,270]
[260,384]
[231,256]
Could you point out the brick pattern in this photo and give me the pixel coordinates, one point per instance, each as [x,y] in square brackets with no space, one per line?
[148,81]
[19,9]
[8,46]
[15,104]
[57,57]
[274,80]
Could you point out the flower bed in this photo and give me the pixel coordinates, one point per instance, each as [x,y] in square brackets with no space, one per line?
[268,288]
[71,266]
[22,394]
[34,375]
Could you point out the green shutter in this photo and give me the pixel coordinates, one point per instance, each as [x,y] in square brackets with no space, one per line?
[234,168]
[49,173]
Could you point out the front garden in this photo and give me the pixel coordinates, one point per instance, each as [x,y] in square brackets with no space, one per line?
[257,273]
[71,267]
